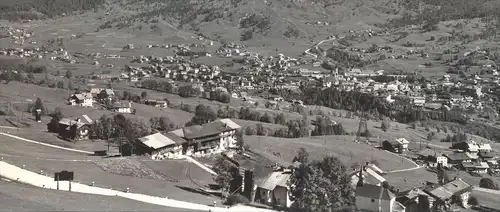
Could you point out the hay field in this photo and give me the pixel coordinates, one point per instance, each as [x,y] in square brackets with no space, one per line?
[342,147]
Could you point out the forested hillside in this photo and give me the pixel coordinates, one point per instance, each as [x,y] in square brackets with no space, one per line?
[37,9]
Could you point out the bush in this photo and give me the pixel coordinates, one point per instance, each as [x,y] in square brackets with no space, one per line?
[236,199]
[488,183]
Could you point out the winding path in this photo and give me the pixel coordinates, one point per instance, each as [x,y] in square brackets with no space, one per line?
[307,51]
[319,43]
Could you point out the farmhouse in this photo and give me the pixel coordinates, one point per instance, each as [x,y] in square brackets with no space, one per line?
[415,199]
[432,157]
[455,191]
[477,167]
[399,145]
[274,190]
[472,147]
[75,128]
[159,146]
[459,157]
[156,103]
[82,100]
[210,137]
[122,107]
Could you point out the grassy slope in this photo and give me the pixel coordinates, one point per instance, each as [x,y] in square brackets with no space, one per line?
[19,197]
[342,147]
[221,19]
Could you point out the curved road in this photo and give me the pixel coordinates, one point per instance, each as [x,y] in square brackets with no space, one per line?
[319,43]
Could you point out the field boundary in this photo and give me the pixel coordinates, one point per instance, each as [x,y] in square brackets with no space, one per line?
[44,144]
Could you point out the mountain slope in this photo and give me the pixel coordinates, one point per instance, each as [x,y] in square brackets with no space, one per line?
[229,20]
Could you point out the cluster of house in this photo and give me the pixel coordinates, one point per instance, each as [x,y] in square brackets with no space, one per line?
[35,52]
[170,67]
[371,193]
[18,35]
[101,95]
[469,156]
[197,140]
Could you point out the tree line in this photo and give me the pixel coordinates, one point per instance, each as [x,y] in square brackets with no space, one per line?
[376,106]
[185,90]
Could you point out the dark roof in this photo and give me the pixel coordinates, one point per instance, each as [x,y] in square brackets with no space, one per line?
[374,192]
[487,154]
[175,138]
[84,120]
[459,156]
[208,129]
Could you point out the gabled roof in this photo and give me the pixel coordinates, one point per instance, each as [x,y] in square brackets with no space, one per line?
[375,168]
[402,141]
[156,141]
[178,132]
[178,140]
[208,129]
[374,192]
[455,187]
[411,193]
[84,120]
[484,147]
[277,178]
[230,123]
[82,96]
[472,146]
[486,155]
